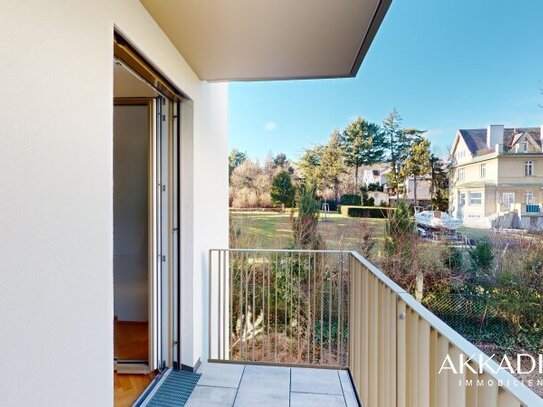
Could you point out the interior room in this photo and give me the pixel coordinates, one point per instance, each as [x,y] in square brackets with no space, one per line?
[132,140]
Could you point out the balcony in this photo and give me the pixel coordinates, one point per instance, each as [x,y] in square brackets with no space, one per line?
[300,309]
[241,385]
[529,209]
[522,209]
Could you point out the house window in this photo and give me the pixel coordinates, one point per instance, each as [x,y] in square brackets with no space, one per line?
[508,198]
[529,168]
[475,198]
[529,197]
[482,170]
[461,174]
[525,147]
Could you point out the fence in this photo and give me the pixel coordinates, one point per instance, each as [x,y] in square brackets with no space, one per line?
[287,307]
[335,309]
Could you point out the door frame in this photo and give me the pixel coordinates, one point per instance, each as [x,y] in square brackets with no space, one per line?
[170,192]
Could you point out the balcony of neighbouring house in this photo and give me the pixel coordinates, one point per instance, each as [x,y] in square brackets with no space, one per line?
[529,209]
[310,327]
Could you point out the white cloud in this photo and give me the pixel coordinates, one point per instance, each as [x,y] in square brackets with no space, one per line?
[270,126]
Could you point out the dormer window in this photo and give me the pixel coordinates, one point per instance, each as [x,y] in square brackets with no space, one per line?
[529,168]
[525,147]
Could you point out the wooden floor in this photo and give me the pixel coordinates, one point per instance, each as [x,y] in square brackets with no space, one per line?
[128,387]
[131,343]
[131,340]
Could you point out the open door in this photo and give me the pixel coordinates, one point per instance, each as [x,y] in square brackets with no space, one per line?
[146,220]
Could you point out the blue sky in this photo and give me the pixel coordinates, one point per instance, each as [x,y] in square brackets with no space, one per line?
[444,64]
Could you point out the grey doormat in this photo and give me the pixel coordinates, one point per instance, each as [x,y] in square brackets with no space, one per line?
[175,390]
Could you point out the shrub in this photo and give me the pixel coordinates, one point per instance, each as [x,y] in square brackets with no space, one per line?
[282,191]
[352,200]
[374,212]
[304,226]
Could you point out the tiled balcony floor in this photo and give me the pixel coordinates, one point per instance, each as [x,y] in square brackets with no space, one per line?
[270,386]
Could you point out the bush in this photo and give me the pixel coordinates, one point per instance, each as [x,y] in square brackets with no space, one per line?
[282,191]
[304,226]
[375,212]
[352,200]
[332,205]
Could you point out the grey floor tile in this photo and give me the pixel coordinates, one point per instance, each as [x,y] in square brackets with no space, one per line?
[220,374]
[204,396]
[264,386]
[321,381]
[348,391]
[316,400]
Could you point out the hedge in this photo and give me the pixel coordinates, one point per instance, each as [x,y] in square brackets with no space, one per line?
[366,211]
[348,199]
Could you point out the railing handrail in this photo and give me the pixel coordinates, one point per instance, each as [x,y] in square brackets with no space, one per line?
[523,393]
[281,251]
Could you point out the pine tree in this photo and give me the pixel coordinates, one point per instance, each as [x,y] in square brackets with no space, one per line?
[310,165]
[362,143]
[282,191]
[417,162]
[398,142]
[332,166]
[440,183]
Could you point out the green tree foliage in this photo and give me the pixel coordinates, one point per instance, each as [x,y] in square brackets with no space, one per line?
[397,143]
[417,162]
[304,225]
[439,172]
[362,143]
[310,163]
[281,161]
[399,224]
[235,158]
[481,269]
[282,191]
[332,166]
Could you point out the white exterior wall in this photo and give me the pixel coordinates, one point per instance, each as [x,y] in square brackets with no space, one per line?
[423,189]
[56,218]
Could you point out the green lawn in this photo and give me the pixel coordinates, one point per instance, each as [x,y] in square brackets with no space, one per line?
[271,230]
[474,233]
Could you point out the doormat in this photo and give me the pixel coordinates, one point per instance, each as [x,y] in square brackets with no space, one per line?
[175,390]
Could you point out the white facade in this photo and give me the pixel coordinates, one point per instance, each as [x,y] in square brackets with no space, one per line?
[56,183]
[374,176]
[497,175]
[423,190]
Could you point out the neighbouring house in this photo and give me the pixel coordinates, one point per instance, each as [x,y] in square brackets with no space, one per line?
[379,197]
[497,177]
[424,195]
[374,176]
[116,276]
[406,190]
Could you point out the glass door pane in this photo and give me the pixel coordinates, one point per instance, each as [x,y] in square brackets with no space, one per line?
[131,152]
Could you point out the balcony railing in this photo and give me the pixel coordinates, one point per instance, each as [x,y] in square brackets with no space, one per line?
[335,309]
[531,208]
[521,208]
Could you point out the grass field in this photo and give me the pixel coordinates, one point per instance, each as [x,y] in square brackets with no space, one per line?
[272,230]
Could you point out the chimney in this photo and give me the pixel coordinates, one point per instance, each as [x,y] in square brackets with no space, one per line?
[541,137]
[494,135]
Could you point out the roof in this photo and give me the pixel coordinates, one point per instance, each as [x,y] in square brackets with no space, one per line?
[475,139]
[269,40]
